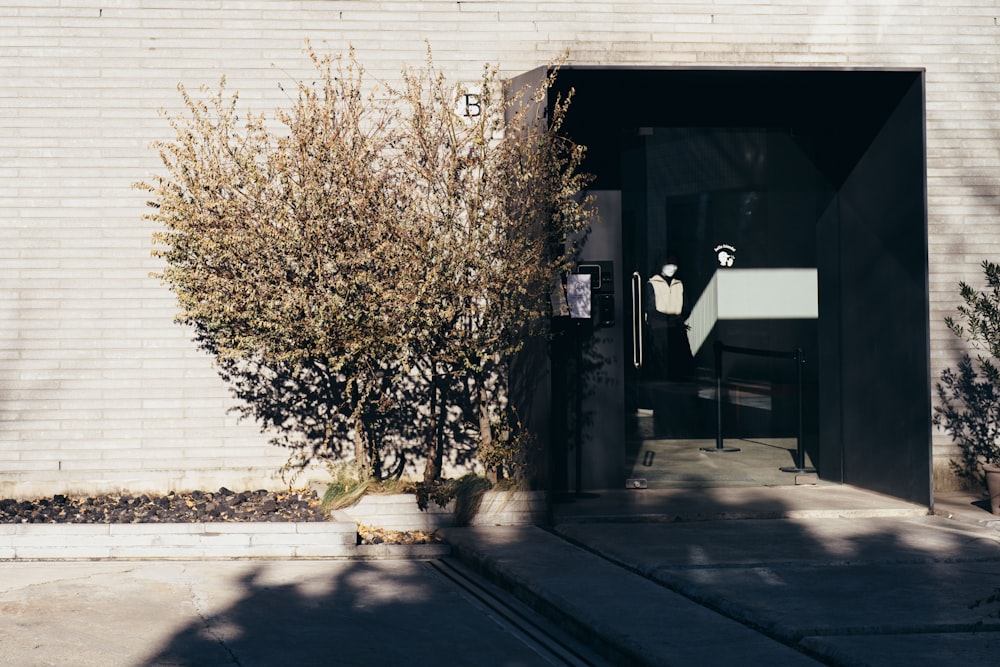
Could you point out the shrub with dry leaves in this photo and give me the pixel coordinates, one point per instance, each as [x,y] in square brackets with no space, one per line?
[365,265]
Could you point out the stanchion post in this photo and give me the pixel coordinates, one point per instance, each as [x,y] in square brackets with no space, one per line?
[718,394]
[719,447]
[800,449]
[798,401]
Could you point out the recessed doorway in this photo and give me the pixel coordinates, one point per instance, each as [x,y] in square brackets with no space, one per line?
[789,206]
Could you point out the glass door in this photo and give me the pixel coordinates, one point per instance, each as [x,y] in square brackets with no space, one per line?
[719,248]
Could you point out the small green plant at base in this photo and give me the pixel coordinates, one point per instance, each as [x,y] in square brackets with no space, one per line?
[467,492]
[510,484]
[346,488]
[349,487]
[509,451]
[970,413]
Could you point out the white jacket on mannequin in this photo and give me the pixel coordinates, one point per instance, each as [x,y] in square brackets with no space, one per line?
[668,296]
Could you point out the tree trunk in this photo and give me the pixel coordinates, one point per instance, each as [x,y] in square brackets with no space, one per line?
[360,444]
[360,447]
[486,431]
[432,467]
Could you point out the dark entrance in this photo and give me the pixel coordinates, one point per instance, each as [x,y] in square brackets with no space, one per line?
[792,204]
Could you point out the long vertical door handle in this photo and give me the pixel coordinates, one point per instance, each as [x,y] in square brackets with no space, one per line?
[636,319]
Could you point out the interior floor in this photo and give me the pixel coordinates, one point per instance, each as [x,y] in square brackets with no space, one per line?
[684,463]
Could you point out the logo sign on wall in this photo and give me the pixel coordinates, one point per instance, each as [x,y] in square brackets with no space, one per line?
[468,101]
[725,254]
[473,106]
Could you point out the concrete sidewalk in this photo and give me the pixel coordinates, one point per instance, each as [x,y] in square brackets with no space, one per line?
[786,575]
[251,613]
[830,575]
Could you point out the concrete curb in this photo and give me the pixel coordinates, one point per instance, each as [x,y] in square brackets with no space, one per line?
[336,539]
[656,517]
[199,541]
[962,507]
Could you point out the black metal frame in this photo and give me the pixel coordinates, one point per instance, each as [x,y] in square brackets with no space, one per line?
[799,359]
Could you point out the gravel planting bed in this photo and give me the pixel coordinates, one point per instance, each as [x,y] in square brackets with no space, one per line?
[223,505]
[192,507]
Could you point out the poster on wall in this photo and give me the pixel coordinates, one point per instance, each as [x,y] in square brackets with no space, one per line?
[578,295]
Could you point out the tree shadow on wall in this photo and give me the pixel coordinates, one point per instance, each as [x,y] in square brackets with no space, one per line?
[969,396]
[581,369]
[321,414]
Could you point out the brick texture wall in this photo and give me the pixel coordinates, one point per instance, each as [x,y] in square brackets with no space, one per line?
[99,389]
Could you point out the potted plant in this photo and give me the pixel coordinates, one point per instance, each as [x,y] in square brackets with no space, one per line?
[969,394]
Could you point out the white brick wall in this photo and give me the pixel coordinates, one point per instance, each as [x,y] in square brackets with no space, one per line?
[98,388]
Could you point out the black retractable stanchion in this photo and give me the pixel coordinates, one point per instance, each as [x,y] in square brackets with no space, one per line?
[800,465]
[719,447]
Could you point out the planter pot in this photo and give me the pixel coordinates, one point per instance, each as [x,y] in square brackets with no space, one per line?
[992,473]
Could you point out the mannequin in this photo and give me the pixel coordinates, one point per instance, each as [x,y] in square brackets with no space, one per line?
[666,315]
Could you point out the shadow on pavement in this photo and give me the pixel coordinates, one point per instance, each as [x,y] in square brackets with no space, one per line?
[840,575]
[322,613]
